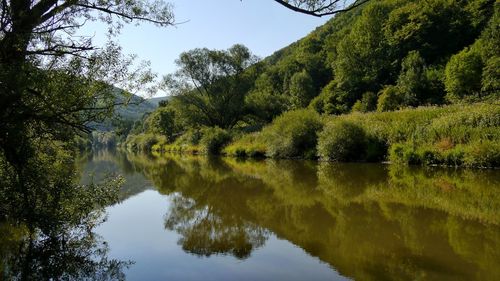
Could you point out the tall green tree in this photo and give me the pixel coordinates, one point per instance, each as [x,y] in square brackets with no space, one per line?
[52,79]
[364,60]
[53,83]
[210,85]
[301,90]
[463,75]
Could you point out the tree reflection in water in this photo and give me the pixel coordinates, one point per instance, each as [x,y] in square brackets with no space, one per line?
[369,222]
[47,222]
[205,232]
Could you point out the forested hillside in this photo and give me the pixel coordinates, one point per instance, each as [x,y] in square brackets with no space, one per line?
[399,53]
[385,55]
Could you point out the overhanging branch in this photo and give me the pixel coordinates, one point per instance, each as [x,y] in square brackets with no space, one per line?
[321,7]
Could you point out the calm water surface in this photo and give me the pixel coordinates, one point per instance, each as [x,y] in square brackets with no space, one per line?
[196,218]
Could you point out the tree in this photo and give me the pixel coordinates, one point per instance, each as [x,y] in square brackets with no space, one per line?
[301,89]
[364,60]
[265,102]
[37,27]
[210,85]
[463,75]
[321,8]
[412,80]
[44,65]
[162,121]
[53,84]
[435,28]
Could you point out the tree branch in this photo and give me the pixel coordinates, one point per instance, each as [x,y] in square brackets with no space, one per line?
[324,10]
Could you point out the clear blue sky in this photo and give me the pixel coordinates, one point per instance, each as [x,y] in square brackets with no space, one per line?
[262,25]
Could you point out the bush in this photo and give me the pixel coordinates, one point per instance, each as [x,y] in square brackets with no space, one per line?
[485,154]
[342,141]
[455,135]
[390,99]
[293,134]
[143,142]
[190,137]
[250,145]
[366,104]
[403,153]
[213,140]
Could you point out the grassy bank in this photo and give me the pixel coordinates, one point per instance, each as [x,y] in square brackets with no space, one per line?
[458,135]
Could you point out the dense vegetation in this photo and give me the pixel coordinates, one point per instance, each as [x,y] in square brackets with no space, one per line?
[386,55]
[54,84]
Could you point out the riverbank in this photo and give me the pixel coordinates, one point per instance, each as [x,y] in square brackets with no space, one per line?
[457,135]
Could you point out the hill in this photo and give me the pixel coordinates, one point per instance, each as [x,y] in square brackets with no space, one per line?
[132,109]
[409,50]
[156,101]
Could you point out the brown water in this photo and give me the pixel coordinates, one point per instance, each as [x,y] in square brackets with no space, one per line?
[196,218]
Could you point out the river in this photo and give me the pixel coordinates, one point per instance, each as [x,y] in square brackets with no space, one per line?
[199,218]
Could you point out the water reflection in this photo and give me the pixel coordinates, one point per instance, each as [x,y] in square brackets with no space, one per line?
[369,222]
[47,225]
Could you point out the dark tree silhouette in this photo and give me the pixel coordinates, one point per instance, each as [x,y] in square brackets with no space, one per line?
[321,8]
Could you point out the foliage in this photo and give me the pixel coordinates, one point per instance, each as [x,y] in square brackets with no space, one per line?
[342,141]
[210,85]
[320,8]
[55,84]
[301,90]
[265,101]
[56,217]
[387,55]
[163,122]
[249,145]
[463,75]
[143,142]
[452,136]
[293,134]
[367,103]
[390,99]
[364,60]
[412,79]
[213,140]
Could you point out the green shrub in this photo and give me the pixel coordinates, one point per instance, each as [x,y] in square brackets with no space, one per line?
[342,141]
[403,153]
[366,104]
[390,99]
[213,140]
[249,145]
[293,134]
[484,154]
[143,142]
[189,137]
